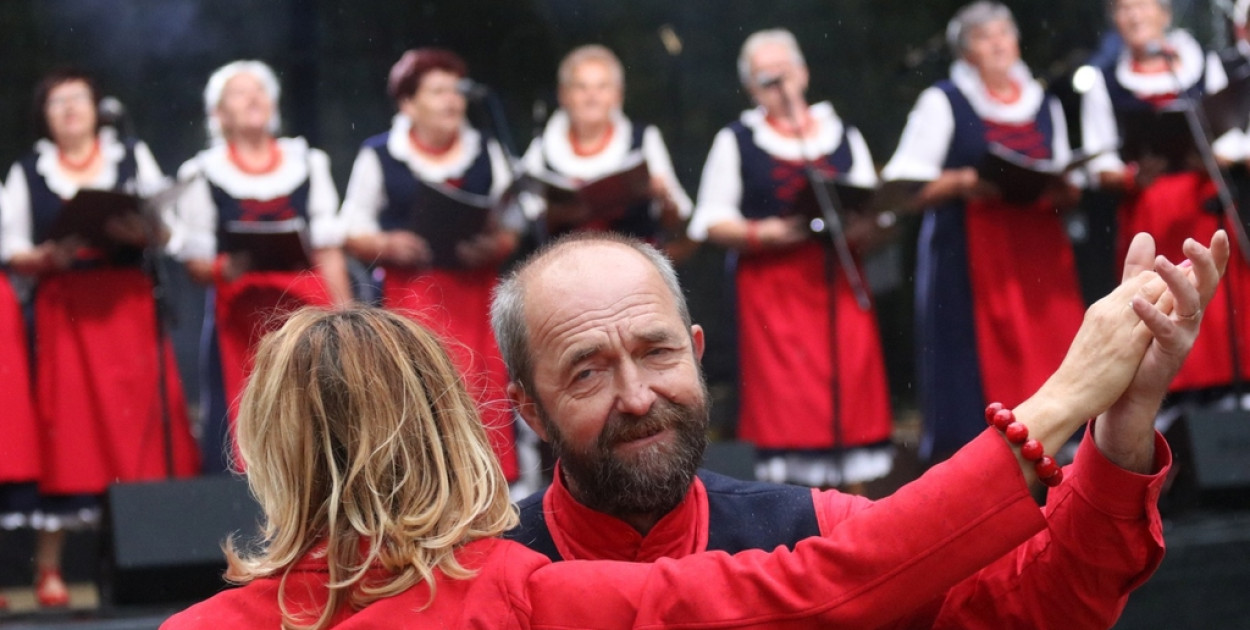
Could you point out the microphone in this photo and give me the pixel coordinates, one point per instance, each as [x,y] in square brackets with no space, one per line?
[111,111]
[471,89]
[1158,49]
[766,80]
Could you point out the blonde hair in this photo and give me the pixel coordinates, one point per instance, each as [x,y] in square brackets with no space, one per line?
[359,436]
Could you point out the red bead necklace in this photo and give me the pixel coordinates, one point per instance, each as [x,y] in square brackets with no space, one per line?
[275,158]
[79,165]
[783,126]
[429,150]
[595,149]
[1011,95]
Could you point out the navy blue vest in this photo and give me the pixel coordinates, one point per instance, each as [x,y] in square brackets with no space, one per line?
[45,205]
[741,515]
[289,206]
[1127,105]
[637,221]
[770,186]
[401,183]
[973,135]
[1123,100]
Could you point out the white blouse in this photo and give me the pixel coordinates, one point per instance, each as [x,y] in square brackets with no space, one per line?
[16,228]
[553,147]
[195,233]
[365,197]
[720,187]
[930,126]
[1099,131]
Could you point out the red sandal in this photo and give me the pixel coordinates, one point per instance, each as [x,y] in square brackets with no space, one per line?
[50,589]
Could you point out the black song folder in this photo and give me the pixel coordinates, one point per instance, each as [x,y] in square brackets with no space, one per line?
[444,216]
[605,198]
[268,245]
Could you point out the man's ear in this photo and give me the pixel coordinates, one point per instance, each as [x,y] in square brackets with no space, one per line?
[527,408]
[696,339]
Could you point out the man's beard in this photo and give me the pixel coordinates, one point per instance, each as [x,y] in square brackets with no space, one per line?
[655,479]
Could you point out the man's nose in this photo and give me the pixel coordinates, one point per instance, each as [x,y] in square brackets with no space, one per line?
[634,393]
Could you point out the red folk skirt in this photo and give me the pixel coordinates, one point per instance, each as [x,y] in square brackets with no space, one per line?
[96,384]
[251,306]
[455,304]
[19,444]
[793,350]
[1026,299]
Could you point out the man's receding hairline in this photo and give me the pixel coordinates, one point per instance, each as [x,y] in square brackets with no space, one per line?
[566,248]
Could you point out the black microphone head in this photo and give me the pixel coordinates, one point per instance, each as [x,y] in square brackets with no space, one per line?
[471,89]
[765,80]
[1158,49]
[110,111]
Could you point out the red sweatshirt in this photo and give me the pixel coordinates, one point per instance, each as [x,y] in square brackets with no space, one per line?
[878,566]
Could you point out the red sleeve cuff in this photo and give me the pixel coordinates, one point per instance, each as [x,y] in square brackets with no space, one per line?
[1117,492]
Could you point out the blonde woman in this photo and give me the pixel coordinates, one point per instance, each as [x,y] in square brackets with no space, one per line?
[384,502]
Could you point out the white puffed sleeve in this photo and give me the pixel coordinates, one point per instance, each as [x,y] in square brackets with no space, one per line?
[325,229]
[863,172]
[659,164]
[193,235]
[925,141]
[1099,132]
[720,187]
[365,195]
[512,215]
[15,222]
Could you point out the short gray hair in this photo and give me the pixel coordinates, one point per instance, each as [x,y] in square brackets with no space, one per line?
[762,38]
[217,85]
[507,308]
[971,16]
[590,52]
[1166,4]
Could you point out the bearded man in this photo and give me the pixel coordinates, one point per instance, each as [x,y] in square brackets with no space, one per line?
[604,364]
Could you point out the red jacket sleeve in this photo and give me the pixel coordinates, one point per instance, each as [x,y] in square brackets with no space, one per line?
[1103,539]
[875,567]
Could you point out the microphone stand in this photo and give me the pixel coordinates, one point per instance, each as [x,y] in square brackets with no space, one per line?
[831,209]
[150,207]
[163,314]
[1198,128]
[496,128]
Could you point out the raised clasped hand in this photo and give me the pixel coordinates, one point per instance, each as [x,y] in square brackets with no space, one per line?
[1118,330]
[1125,435]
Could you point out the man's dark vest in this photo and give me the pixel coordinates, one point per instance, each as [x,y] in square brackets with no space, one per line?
[741,515]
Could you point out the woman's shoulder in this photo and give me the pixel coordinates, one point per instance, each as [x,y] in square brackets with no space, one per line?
[254,605]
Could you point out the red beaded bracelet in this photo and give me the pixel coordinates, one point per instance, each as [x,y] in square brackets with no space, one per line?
[1001,418]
